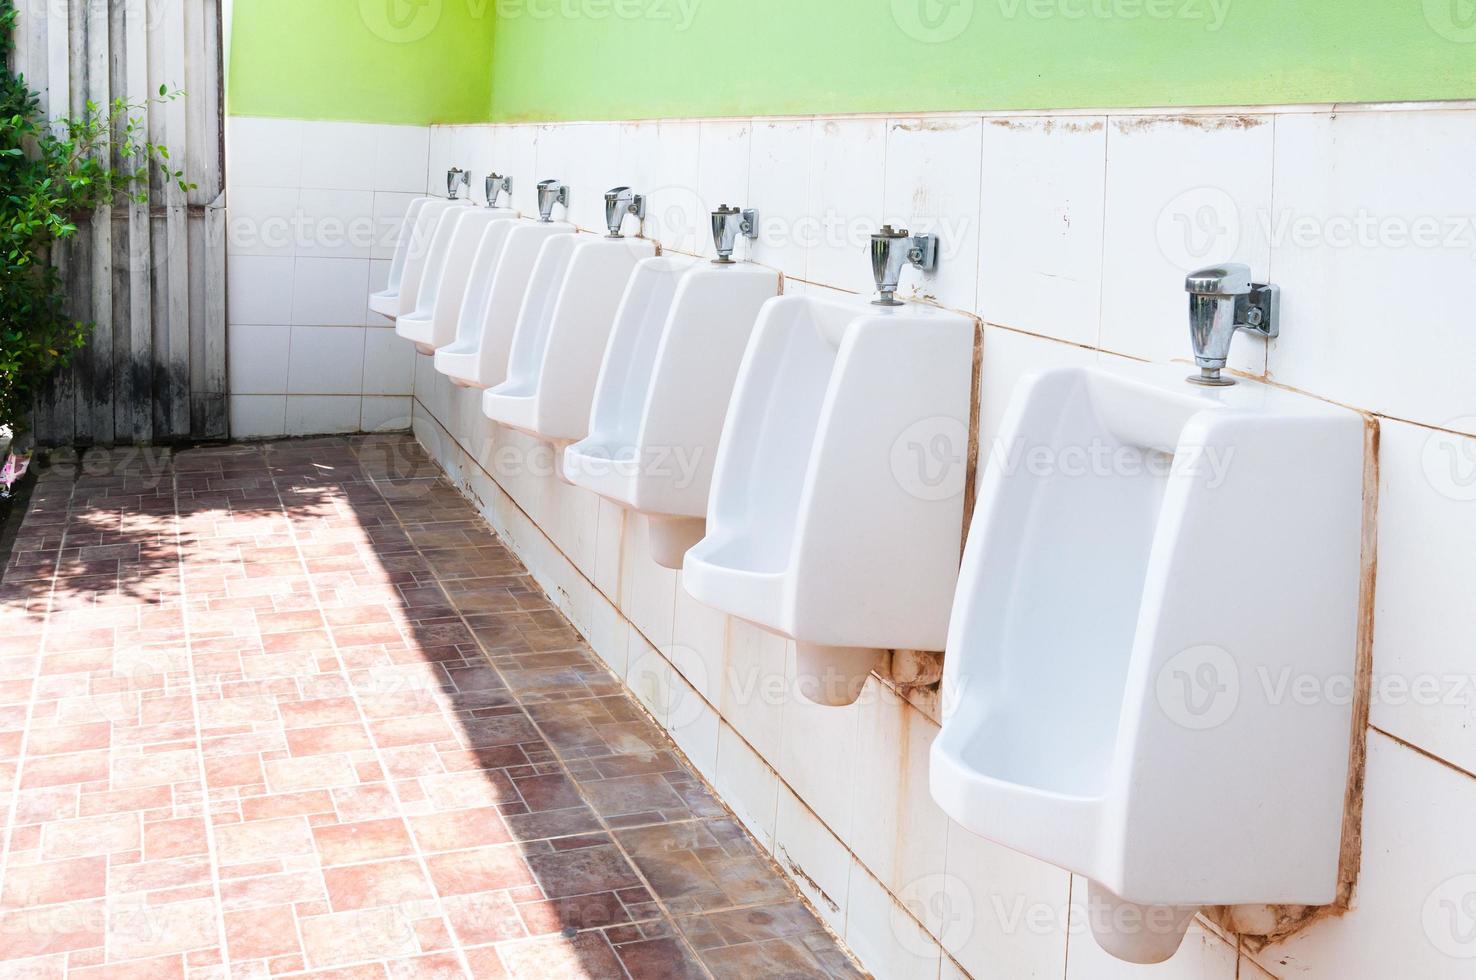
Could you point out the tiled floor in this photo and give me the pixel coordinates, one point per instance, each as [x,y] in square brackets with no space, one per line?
[286,708]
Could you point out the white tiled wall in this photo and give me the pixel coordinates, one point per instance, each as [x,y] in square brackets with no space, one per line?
[315,208]
[1068,236]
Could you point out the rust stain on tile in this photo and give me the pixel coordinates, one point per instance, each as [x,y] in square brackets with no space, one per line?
[1050,125]
[1209,124]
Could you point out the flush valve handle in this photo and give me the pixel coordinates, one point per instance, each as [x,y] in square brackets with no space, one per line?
[891,250]
[456,179]
[551,192]
[497,185]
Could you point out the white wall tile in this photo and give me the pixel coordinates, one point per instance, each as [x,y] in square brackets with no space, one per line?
[1374,246]
[1182,193]
[647,591]
[755,686]
[586,157]
[883,936]
[339,155]
[847,187]
[401,155]
[327,361]
[389,363]
[1425,680]
[699,639]
[322,414]
[257,358]
[1040,254]
[779,186]
[261,288]
[693,725]
[932,186]
[337,223]
[817,749]
[722,175]
[747,785]
[329,292]
[1412,914]
[379,413]
[440,159]
[818,862]
[897,830]
[515,153]
[1003,914]
[263,152]
[258,416]
[678,219]
[263,221]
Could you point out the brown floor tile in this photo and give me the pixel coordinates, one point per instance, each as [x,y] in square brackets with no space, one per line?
[323,691]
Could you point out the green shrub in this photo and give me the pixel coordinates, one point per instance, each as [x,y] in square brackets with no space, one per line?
[52,172]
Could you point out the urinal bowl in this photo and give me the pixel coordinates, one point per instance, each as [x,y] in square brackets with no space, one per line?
[562,330]
[449,266]
[411,251]
[386,301]
[817,527]
[477,358]
[1131,595]
[663,391]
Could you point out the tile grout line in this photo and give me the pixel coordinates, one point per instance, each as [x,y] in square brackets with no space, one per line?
[212,849]
[667,914]
[390,783]
[14,802]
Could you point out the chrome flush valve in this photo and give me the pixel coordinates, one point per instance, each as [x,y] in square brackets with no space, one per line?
[497,185]
[891,249]
[1222,300]
[551,192]
[456,179]
[620,201]
[727,224]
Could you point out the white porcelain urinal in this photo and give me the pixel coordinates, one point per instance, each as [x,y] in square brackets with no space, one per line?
[663,391]
[1152,569]
[453,251]
[477,358]
[562,330]
[821,526]
[411,250]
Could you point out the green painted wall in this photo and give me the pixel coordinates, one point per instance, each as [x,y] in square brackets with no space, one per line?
[619,59]
[392,61]
[423,61]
